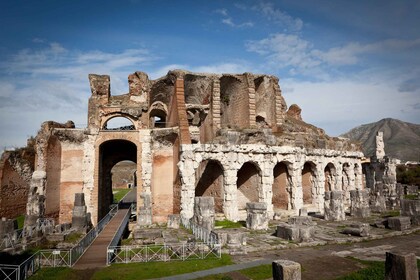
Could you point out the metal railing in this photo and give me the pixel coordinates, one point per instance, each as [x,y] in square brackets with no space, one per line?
[207,236]
[22,271]
[162,252]
[117,236]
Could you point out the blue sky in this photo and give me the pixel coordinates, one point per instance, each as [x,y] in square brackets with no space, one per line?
[345,63]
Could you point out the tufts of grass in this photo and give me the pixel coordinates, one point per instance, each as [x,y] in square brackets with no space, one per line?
[258,272]
[20,220]
[228,224]
[119,194]
[392,213]
[73,237]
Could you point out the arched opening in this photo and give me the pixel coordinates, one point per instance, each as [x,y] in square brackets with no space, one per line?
[281,186]
[111,153]
[119,123]
[210,182]
[329,173]
[53,169]
[157,118]
[308,182]
[346,178]
[124,175]
[248,184]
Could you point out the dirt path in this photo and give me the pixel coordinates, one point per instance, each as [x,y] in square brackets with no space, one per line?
[329,262]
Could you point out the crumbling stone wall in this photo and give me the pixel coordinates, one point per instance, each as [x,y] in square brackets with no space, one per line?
[15,176]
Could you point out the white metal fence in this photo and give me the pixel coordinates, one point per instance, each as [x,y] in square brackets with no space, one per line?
[54,258]
[162,252]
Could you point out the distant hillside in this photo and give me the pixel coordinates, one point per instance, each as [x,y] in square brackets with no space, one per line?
[402,140]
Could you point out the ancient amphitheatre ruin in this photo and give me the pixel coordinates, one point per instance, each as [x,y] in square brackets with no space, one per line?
[205,147]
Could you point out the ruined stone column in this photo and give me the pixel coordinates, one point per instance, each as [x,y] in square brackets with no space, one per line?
[267,185]
[204,212]
[297,192]
[286,270]
[380,147]
[79,220]
[401,266]
[257,216]
[35,208]
[230,206]
[359,203]
[334,207]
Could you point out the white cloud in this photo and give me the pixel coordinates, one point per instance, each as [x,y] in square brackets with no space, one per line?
[344,104]
[228,20]
[271,13]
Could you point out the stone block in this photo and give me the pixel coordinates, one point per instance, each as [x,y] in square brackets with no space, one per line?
[334,206]
[303,212]
[174,221]
[306,233]
[410,207]
[7,226]
[79,199]
[204,214]
[286,270]
[357,230]
[236,242]
[399,223]
[257,217]
[401,266]
[301,220]
[147,234]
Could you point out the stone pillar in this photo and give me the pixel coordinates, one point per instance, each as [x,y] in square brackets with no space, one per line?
[359,207]
[267,185]
[144,210]
[297,192]
[257,217]
[230,206]
[286,270]
[334,207]
[144,195]
[401,266]
[380,148]
[35,208]
[7,226]
[79,220]
[204,212]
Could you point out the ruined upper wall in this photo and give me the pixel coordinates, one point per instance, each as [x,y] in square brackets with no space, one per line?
[211,102]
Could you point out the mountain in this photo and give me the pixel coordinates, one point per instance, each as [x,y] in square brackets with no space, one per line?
[402,139]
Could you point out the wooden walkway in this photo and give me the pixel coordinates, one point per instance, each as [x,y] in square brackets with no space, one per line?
[95,255]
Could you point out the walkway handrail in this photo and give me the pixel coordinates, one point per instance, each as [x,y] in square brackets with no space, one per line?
[115,240]
[77,251]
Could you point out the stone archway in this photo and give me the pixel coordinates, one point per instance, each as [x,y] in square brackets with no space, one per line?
[110,153]
[248,184]
[329,173]
[281,186]
[308,182]
[210,182]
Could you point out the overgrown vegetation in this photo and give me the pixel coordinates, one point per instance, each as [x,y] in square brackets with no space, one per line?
[73,237]
[119,194]
[228,224]
[408,174]
[20,221]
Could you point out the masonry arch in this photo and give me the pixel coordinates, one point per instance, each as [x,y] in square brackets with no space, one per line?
[248,184]
[119,122]
[111,152]
[53,184]
[345,184]
[158,115]
[308,182]
[329,174]
[209,178]
[281,186]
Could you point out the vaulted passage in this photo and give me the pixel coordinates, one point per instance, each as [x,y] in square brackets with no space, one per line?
[281,186]
[308,182]
[329,173]
[248,184]
[111,153]
[211,183]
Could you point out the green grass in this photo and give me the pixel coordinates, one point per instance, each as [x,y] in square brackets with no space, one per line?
[392,213]
[73,237]
[258,272]
[375,270]
[134,270]
[20,220]
[119,194]
[411,196]
[228,224]
[158,269]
